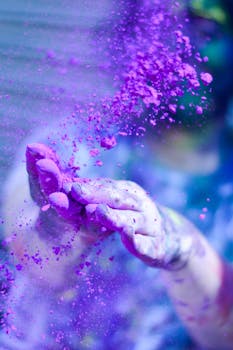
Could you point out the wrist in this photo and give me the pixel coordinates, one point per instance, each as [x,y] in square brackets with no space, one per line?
[180,236]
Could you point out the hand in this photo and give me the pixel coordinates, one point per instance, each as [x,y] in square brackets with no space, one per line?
[50,188]
[100,207]
[56,242]
[125,207]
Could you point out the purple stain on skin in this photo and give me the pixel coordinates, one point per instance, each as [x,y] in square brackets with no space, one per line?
[65,207]
[36,152]
[91,208]
[59,200]
[79,193]
[49,176]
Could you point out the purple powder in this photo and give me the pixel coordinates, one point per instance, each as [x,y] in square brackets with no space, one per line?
[206,78]
[19,267]
[94,152]
[199,110]
[108,142]
[153,64]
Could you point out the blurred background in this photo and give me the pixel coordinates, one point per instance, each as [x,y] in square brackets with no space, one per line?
[47,64]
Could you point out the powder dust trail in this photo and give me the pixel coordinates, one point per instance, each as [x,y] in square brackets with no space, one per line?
[152,63]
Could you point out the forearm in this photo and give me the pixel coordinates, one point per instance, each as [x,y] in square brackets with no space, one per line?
[201,288]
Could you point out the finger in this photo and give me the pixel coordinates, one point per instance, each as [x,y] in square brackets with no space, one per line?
[123,221]
[131,226]
[146,248]
[35,152]
[68,182]
[107,193]
[97,226]
[50,178]
[66,187]
[64,206]
[59,201]
[127,223]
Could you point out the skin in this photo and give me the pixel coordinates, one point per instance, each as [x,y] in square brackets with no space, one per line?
[197,280]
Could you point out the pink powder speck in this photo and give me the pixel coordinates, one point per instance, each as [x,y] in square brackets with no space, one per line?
[206,78]
[99,162]
[172,108]
[45,207]
[94,152]
[199,110]
[122,133]
[202,216]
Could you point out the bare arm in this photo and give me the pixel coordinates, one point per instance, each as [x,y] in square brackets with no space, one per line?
[198,281]
[201,289]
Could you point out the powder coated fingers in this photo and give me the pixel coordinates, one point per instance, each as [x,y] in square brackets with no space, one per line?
[131,226]
[36,152]
[107,192]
